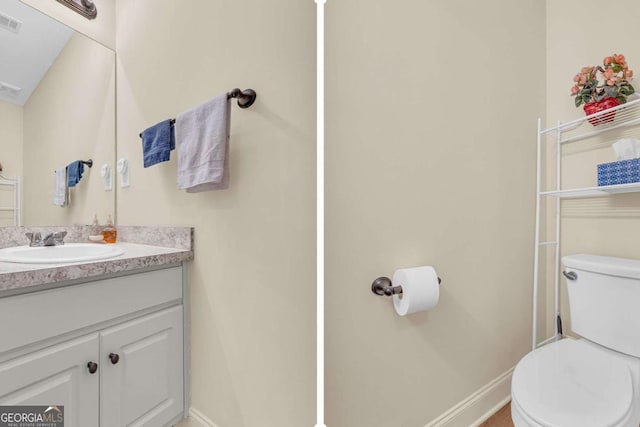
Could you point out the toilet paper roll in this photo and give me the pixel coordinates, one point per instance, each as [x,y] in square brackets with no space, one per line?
[420,290]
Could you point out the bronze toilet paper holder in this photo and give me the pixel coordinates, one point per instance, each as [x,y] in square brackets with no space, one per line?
[382,286]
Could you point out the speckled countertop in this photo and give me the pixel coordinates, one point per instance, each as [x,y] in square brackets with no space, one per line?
[144,247]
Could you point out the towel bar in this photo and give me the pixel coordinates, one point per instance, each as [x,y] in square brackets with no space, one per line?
[85,162]
[246,98]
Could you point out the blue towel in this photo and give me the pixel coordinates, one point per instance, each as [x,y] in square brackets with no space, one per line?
[157,143]
[74,173]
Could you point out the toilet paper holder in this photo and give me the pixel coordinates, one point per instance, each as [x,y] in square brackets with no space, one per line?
[382,286]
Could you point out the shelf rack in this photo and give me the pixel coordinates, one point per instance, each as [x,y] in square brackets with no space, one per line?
[17,198]
[618,118]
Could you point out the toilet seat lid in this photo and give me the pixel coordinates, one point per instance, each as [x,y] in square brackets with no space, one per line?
[569,383]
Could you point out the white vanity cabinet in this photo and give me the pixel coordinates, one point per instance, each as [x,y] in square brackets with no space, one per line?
[112,351]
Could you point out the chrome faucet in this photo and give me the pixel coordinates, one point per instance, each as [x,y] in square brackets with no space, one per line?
[54,239]
[35,239]
[51,239]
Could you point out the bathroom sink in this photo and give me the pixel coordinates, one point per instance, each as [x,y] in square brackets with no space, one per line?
[69,252]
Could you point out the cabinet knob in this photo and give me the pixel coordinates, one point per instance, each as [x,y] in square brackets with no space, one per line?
[93,367]
[114,357]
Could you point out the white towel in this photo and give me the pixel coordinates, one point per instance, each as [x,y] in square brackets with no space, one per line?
[202,143]
[61,191]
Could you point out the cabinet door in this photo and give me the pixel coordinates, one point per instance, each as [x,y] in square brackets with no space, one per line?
[142,382]
[55,376]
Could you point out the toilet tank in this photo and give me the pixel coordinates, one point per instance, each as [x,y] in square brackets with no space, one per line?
[604,300]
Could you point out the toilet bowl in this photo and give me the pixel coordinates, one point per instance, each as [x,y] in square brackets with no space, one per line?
[573,383]
[593,381]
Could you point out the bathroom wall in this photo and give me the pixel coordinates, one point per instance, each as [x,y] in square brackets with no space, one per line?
[70,116]
[611,225]
[101,29]
[252,282]
[11,157]
[431,135]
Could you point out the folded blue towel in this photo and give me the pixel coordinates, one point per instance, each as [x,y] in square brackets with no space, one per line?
[74,173]
[157,143]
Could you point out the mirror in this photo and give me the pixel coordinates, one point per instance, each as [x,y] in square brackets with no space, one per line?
[57,105]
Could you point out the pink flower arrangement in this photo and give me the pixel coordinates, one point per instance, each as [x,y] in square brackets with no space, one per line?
[616,77]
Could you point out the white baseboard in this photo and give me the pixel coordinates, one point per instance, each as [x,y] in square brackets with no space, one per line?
[478,407]
[471,412]
[198,419]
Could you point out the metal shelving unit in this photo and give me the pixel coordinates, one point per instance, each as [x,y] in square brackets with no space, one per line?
[618,118]
[15,185]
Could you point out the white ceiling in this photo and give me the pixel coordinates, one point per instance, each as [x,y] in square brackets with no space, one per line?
[26,57]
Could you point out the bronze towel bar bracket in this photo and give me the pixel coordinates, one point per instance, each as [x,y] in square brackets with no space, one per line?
[246,97]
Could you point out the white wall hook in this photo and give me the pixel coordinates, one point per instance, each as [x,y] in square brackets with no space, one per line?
[123,171]
[107,176]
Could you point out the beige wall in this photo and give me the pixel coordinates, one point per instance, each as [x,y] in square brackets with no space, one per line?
[430,160]
[101,29]
[70,116]
[10,154]
[253,278]
[573,41]
[608,226]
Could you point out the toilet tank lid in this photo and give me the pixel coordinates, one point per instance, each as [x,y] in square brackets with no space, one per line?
[623,267]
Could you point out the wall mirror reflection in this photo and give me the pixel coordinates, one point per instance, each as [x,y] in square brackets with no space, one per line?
[57,106]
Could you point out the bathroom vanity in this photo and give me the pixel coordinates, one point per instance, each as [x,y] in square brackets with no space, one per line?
[107,340]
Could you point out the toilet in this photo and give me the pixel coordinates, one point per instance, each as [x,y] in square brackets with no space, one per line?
[593,381]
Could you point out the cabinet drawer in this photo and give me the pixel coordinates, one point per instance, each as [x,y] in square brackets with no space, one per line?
[29,318]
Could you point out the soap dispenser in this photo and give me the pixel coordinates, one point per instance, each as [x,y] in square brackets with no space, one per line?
[109,232]
[95,230]
[95,226]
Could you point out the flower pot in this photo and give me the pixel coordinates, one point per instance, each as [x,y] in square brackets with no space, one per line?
[595,107]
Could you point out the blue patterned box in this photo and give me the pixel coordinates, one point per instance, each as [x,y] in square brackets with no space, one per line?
[621,172]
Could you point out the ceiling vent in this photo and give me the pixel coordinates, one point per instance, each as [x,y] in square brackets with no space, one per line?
[9,23]
[10,91]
